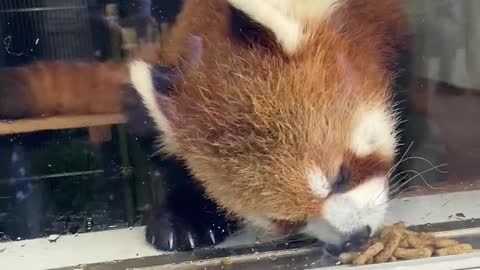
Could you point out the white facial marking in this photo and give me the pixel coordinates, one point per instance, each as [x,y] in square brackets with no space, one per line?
[345,214]
[361,206]
[285,18]
[318,183]
[373,131]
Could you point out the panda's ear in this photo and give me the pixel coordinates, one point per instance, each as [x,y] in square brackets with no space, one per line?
[156,84]
[151,86]
[286,19]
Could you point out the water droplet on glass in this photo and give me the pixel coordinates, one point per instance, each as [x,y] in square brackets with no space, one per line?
[89,224]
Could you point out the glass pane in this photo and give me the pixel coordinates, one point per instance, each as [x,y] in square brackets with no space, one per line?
[275,136]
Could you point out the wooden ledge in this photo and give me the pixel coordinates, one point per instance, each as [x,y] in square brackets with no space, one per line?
[60,122]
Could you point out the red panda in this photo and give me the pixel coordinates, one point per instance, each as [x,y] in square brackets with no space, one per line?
[286,117]
[283,110]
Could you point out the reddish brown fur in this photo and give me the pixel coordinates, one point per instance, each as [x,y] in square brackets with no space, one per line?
[61,88]
[251,120]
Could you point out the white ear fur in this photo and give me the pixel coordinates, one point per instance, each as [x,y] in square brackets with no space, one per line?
[285,18]
[373,131]
[141,79]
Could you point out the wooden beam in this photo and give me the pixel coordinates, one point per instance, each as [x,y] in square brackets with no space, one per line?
[59,122]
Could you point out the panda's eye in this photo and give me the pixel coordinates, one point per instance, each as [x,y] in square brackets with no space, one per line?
[341,181]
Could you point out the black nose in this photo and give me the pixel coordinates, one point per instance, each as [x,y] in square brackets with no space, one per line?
[353,244]
[362,235]
[358,238]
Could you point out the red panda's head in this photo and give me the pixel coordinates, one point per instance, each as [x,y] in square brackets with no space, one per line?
[284,113]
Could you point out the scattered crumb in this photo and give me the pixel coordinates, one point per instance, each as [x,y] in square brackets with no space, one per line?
[53,237]
[228,261]
[395,243]
[2,248]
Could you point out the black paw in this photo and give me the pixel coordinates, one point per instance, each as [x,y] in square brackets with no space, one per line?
[168,232]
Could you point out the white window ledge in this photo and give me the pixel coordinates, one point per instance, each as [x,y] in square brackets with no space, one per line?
[121,244]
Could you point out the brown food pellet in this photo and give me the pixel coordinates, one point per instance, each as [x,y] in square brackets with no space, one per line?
[395,243]
[431,247]
[392,242]
[412,253]
[393,259]
[415,242]
[428,238]
[397,226]
[445,242]
[372,251]
[404,242]
[348,257]
[453,250]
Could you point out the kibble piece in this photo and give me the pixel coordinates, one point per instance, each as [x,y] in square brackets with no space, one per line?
[445,242]
[372,251]
[431,247]
[416,242]
[397,226]
[348,257]
[391,243]
[412,253]
[428,238]
[393,259]
[404,242]
[453,250]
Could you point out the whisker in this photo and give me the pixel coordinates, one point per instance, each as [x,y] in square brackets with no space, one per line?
[388,174]
[400,185]
[403,191]
[426,160]
[421,176]
[394,181]
[436,168]
[400,161]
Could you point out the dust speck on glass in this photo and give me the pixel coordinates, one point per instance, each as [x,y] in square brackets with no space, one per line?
[217,134]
